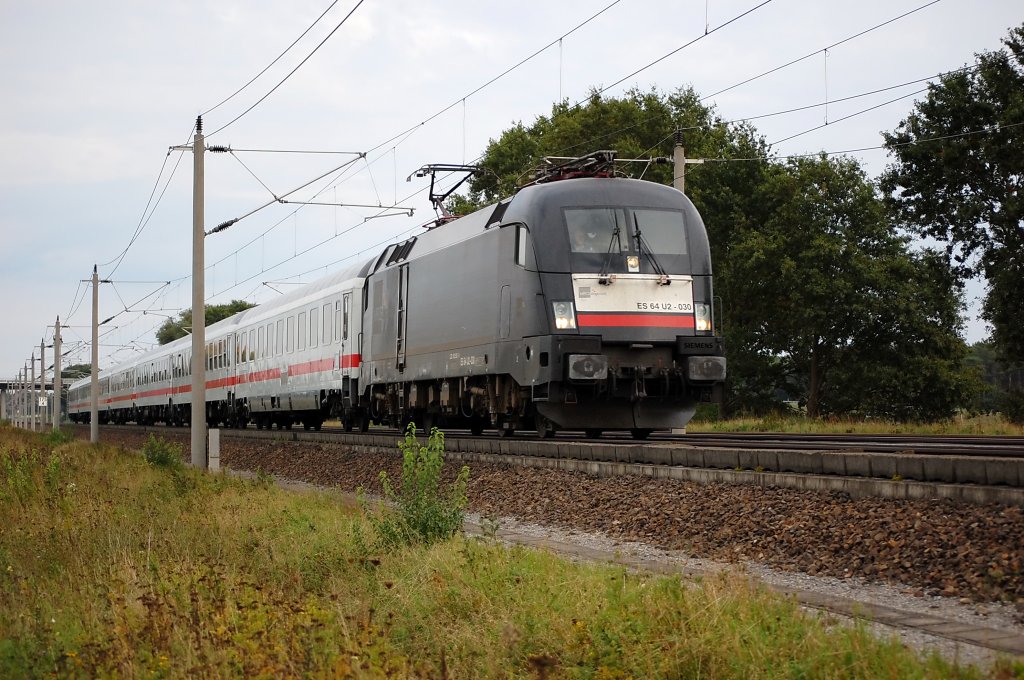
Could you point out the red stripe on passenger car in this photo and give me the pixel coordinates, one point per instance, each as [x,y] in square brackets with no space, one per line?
[349,361]
[635,320]
[317,366]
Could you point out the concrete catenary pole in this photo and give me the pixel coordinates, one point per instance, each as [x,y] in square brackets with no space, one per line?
[33,398]
[19,409]
[198,302]
[42,386]
[58,379]
[679,163]
[94,408]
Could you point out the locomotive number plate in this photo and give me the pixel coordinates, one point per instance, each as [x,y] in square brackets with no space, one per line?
[637,293]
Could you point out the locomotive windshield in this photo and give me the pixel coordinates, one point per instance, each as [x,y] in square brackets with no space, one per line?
[592,230]
[662,230]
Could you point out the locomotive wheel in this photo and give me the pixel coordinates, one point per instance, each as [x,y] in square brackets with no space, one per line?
[640,433]
[347,424]
[506,431]
[545,428]
[476,427]
[364,422]
[593,433]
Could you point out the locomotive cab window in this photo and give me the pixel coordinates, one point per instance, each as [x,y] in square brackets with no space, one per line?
[663,231]
[592,230]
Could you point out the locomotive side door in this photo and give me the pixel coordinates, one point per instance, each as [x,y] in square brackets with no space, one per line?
[403,316]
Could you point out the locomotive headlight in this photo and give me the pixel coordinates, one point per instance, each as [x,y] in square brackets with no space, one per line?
[702,316]
[633,264]
[565,314]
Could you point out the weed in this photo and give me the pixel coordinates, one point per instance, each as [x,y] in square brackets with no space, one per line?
[52,474]
[57,437]
[162,453]
[489,525]
[263,479]
[422,512]
[17,476]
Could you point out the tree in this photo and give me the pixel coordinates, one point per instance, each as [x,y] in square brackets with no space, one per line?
[172,329]
[854,320]
[76,371]
[959,178]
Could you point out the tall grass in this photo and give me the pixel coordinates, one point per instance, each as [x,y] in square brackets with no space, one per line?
[111,567]
[795,423]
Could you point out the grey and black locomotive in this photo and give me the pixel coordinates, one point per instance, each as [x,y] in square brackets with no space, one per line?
[582,302]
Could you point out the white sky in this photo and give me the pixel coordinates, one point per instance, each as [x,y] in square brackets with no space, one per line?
[95,93]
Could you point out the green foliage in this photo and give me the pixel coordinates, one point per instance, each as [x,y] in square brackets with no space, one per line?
[422,511]
[57,437]
[161,453]
[957,179]
[76,371]
[17,479]
[172,329]
[1013,407]
[837,309]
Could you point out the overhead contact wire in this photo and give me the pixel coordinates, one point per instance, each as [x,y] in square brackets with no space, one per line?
[267,67]
[290,73]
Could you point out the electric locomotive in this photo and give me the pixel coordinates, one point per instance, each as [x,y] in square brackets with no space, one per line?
[582,302]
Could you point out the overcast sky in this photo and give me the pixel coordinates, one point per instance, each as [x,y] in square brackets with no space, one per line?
[94,94]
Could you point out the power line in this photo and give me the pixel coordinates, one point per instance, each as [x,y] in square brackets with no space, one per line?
[493,80]
[290,73]
[820,50]
[770,71]
[871,108]
[409,131]
[138,228]
[988,129]
[144,220]
[682,47]
[278,58]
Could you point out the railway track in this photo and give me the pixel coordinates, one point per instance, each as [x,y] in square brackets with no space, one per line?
[1001,446]
[896,471]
